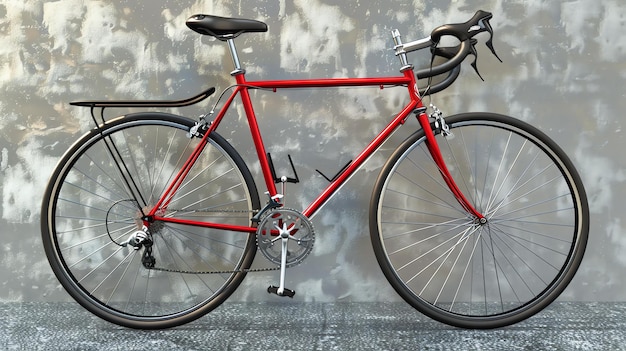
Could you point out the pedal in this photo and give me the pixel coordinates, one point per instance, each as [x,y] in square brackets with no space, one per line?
[286,292]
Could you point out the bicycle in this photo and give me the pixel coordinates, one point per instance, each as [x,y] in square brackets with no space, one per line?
[478,220]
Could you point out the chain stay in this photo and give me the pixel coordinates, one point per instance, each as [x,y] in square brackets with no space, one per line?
[149,261]
[212,211]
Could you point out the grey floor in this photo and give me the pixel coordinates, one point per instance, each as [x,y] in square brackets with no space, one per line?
[337,326]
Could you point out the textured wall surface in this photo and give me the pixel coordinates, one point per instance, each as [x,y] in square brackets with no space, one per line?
[563,70]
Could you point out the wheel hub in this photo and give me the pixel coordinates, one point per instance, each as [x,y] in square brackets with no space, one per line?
[125,213]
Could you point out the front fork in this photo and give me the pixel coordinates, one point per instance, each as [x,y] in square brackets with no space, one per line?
[435,152]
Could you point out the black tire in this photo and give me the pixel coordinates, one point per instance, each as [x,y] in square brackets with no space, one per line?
[453,268]
[88,212]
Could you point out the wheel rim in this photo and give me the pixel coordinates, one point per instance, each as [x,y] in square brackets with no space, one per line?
[93,213]
[524,254]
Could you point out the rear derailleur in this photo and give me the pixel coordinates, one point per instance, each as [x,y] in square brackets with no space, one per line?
[139,239]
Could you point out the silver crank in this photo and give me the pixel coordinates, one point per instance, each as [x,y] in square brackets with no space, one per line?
[295,233]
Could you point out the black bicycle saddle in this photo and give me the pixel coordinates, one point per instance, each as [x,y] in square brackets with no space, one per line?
[224,28]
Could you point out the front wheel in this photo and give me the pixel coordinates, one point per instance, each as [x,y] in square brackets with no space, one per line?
[459,270]
[93,216]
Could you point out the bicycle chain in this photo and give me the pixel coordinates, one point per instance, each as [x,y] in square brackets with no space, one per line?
[149,263]
[248,270]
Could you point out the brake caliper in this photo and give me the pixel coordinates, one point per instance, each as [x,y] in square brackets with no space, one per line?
[440,123]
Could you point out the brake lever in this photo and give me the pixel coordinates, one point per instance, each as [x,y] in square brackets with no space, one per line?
[489,43]
[474,52]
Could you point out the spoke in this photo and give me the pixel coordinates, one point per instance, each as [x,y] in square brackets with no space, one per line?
[159,170]
[519,240]
[133,286]
[530,205]
[428,226]
[130,164]
[181,195]
[209,198]
[514,267]
[438,180]
[95,195]
[521,176]
[103,174]
[184,265]
[416,212]
[111,273]
[447,279]
[532,191]
[443,204]
[535,215]
[490,247]
[462,175]
[193,248]
[470,260]
[461,236]
[119,281]
[95,269]
[97,237]
[485,183]
[129,184]
[491,196]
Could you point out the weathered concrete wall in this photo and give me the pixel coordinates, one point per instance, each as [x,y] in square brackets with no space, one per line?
[563,70]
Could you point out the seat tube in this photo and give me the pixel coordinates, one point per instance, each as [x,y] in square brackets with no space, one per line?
[240,76]
[256,134]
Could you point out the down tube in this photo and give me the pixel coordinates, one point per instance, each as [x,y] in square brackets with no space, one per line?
[360,160]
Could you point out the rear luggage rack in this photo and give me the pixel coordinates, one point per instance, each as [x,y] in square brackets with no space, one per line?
[147,103]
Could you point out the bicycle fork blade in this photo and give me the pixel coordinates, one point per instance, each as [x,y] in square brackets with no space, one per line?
[435,152]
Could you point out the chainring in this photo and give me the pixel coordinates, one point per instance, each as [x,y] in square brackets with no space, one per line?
[300,241]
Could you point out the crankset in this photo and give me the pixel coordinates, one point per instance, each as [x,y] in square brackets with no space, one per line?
[285,237]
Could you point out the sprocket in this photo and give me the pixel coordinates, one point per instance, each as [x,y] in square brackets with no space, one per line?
[300,230]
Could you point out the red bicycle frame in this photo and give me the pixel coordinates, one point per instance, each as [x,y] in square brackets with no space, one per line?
[242,89]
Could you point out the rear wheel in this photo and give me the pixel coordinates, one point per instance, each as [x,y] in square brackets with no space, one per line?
[456,269]
[95,201]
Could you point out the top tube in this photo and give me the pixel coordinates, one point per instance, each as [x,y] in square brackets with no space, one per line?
[331,82]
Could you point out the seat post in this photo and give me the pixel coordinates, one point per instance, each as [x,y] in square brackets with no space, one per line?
[233,52]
